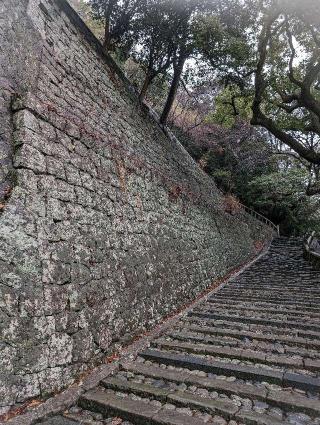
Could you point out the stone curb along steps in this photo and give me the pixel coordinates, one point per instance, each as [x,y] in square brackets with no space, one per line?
[248,354]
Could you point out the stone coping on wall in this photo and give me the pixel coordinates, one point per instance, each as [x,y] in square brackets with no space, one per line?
[96,44]
[131,89]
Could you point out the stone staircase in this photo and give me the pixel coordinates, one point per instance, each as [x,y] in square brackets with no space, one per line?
[250,354]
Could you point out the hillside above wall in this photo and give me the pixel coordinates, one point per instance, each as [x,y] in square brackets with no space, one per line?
[110,225]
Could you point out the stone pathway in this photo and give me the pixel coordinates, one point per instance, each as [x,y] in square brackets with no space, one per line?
[249,355]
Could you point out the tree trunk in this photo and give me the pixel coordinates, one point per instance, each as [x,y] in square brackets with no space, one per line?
[107,32]
[178,69]
[145,86]
[106,42]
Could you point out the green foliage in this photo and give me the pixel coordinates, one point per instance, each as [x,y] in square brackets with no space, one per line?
[156,31]
[282,196]
[243,164]
[270,50]
[282,188]
[225,50]
[230,105]
[223,179]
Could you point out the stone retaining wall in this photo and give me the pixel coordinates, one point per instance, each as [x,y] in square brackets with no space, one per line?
[110,225]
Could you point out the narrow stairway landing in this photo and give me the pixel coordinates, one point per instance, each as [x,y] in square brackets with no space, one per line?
[249,355]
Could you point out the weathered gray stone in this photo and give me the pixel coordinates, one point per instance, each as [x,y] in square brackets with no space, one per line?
[110,225]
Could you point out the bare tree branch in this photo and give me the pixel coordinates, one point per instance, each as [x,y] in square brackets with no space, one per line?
[303,99]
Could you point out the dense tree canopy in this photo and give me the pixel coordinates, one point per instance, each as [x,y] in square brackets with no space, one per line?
[157,41]
[287,97]
[119,19]
[276,63]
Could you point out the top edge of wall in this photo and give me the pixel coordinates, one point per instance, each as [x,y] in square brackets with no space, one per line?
[74,17]
[93,40]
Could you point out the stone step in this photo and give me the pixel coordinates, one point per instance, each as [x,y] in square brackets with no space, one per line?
[254,308]
[310,284]
[139,412]
[292,340]
[256,313]
[252,356]
[264,296]
[244,327]
[226,409]
[268,322]
[311,288]
[263,278]
[282,399]
[270,299]
[261,272]
[282,378]
[247,417]
[262,293]
[184,376]
[276,302]
[231,302]
[235,339]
